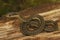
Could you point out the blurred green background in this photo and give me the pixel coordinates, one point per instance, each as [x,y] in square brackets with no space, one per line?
[18,5]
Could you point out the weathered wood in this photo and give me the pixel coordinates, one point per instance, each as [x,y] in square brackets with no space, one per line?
[10,30]
[51,15]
